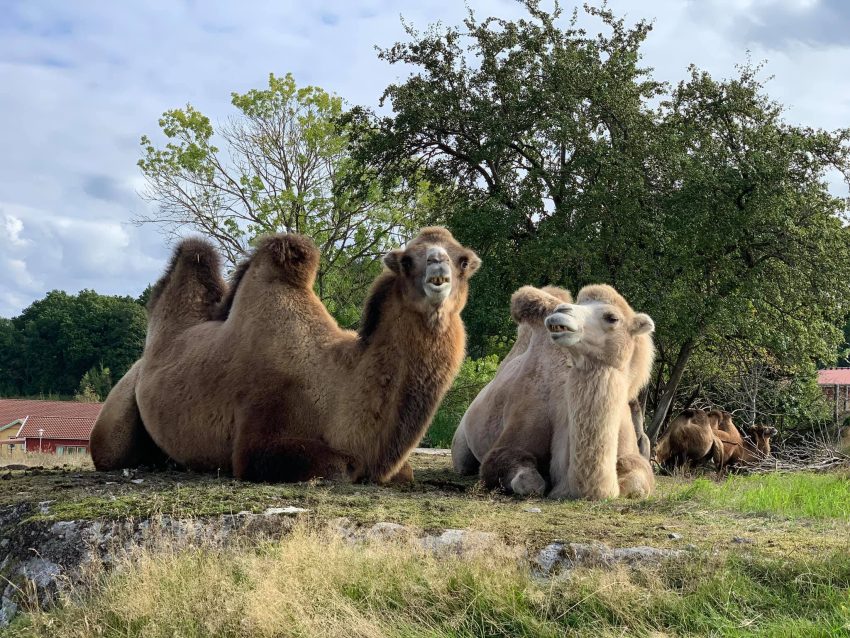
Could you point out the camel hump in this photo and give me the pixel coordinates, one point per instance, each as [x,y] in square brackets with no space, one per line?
[294,256]
[530,304]
[195,267]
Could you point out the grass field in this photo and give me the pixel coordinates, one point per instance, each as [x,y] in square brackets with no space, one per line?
[767,555]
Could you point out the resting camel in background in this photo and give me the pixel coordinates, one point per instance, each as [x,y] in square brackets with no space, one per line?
[261,381]
[696,436]
[557,412]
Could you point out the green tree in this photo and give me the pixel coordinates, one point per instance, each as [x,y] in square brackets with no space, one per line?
[63,336]
[95,385]
[285,167]
[567,163]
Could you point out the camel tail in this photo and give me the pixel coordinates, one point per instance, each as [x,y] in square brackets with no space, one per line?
[532,305]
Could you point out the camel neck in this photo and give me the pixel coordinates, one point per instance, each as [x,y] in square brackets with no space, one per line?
[595,396]
[411,362]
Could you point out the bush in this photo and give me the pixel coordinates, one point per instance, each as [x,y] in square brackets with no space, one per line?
[473,376]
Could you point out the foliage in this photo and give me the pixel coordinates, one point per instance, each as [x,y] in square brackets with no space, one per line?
[58,340]
[95,385]
[473,376]
[567,163]
[284,167]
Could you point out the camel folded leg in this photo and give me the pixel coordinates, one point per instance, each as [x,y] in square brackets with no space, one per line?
[119,438]
[635,476]
[464,461]
[291,460]
[513,470]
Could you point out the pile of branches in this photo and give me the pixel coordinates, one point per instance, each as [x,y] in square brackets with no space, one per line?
[810,453]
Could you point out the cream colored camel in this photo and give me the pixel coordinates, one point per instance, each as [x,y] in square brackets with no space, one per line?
[517,428]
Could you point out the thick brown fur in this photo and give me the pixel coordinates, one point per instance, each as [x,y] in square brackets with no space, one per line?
[740,450]
[689,440]
[509,431]
[272,389]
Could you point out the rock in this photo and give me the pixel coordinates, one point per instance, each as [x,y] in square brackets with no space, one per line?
[137,481]
[458,541]
[533,510]
[40,571]
[8,607]
[289,509]
[44,507]
[387,531]
[673,536]
[571,555]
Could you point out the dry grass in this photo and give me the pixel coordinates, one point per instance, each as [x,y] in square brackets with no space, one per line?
[36,459]
[315,584]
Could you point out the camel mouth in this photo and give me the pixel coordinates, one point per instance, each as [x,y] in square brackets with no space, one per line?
[563,329]
[438,282]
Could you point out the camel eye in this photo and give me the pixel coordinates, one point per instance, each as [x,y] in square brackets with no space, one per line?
[464,263]
[611,318]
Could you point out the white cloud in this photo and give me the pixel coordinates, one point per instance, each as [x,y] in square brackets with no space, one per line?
[14,227]
[83,81]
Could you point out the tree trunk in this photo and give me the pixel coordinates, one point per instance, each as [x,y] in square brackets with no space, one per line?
[669,394]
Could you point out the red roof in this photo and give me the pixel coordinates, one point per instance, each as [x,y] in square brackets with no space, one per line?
[15,409]
[56,427]
[834,376]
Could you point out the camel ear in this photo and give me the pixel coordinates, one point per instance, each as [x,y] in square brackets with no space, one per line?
[642,324]
[474,261]
[392,260]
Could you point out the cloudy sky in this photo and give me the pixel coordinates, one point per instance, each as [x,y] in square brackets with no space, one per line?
[80,82]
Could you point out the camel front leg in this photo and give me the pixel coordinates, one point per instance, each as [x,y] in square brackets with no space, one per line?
[512,470]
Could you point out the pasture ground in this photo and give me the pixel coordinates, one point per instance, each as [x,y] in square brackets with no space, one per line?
[764,555]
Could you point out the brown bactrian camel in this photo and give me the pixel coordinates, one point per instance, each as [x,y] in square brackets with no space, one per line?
[738,449]
[261,381]
[689,440]
[519,427]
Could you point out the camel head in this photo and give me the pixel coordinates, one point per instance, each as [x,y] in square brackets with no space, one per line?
[600,327]
[433,270]
[762,434]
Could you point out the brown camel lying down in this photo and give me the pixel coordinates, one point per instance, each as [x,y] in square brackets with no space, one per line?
[265,384]
[689,440]
[697,436]
[557,411]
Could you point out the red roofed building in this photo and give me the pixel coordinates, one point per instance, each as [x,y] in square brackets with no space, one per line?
[61,427]
[835,385]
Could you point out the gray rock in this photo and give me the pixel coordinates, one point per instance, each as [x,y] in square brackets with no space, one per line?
[533,510]
[8,607]
[288,510]
[571,555]
[387,531]
[673,536]
[458,541]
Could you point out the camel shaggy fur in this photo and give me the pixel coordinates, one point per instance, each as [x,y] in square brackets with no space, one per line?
[518,430]
[690,439]
[739,449]
[261,381]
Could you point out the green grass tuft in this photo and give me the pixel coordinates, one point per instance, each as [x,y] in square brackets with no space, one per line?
[801,494]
